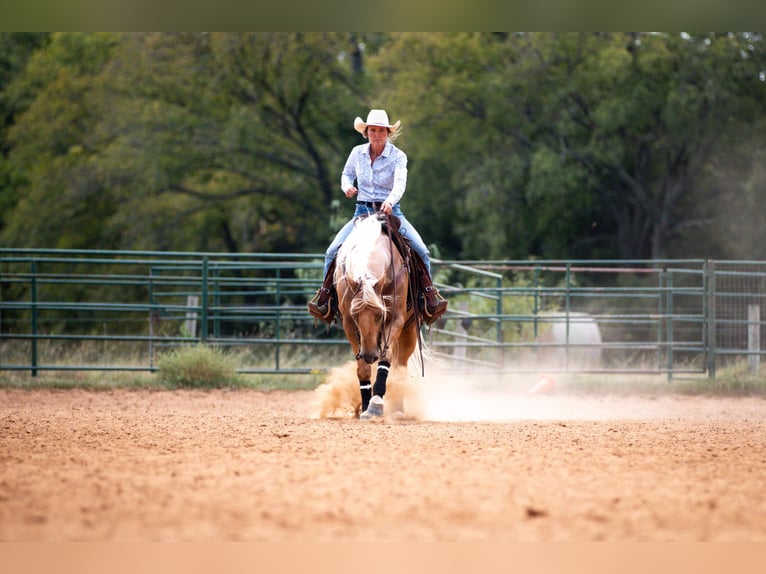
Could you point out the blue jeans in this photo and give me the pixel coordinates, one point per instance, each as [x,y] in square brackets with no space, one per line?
[406,229]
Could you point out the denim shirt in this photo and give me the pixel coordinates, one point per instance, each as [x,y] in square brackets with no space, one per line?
[385,180]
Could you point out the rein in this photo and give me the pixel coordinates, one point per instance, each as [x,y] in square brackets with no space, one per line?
[411,294]
[413,299]
[387,338]
[406,266]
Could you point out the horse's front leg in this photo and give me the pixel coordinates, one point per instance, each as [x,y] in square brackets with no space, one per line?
[363,373]
[363,370]
[384,364]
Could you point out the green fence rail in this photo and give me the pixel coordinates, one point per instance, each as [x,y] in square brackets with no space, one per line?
[81,310]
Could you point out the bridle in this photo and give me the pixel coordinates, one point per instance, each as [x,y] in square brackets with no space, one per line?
[393,278]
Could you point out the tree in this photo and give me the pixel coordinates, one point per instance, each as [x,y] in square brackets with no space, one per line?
[645,116]
[234,140]
[228,142]
[15,51]
[571,145]
[54,197]
[566,145]
[464,189]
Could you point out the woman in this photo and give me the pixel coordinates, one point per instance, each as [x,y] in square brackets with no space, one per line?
[380,171]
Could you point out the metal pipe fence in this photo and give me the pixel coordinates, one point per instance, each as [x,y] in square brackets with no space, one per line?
[80,310]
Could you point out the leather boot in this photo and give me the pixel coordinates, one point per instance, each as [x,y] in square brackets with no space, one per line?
[432,304]
[324,304]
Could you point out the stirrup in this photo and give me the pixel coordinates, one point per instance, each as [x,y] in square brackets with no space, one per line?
[328,314]
[432,313]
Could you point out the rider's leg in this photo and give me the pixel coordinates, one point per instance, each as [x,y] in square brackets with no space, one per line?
[434,304]
[324,305]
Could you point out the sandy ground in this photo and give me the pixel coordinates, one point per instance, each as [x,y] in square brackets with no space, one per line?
[245,465]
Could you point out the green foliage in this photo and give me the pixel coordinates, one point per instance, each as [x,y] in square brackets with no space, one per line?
[211,142]
[59,198]
[615,136]
[198,366]
[552,145]
[239,139]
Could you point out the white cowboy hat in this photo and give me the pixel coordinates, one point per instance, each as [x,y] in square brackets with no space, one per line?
[375,118]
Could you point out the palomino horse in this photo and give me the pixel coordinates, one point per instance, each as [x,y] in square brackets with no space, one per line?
[372,282]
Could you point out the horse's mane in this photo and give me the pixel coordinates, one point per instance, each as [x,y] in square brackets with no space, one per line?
[363,264]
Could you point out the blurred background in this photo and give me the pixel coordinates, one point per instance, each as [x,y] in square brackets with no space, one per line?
[548,145]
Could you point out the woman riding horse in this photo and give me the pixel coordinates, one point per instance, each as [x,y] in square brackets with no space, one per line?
[372,282]
[380,171]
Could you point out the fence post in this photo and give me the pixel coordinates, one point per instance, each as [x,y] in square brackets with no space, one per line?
[33,296]
[203,318]
[660,314]
[152,317]
[536,311]
[753,338]
[710,312]
[536,301]
[190,321]
[568,307]
[499,309]
[216,303]
[460,351]
[669,324]
[278,320]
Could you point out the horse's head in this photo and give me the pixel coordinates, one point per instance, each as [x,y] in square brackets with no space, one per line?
[368,311]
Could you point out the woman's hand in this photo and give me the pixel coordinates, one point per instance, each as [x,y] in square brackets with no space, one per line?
[351,191]
[386,208]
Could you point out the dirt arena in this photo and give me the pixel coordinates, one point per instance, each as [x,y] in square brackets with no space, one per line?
[128,465]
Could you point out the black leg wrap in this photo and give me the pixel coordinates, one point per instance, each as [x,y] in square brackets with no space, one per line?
[365,388]
[380,380]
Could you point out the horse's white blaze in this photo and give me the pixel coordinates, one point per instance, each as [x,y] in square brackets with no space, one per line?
[354,258]
[355,251]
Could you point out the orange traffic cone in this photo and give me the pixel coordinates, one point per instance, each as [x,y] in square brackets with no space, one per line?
[544,385]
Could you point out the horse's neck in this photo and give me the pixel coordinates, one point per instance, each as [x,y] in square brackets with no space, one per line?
[373,267]
[365,255]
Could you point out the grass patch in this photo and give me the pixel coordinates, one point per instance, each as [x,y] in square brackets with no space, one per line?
[191,367]
[733,381]
[206,367]
[262,382]
[210,367]
[86,380]
[198,366]
[99,381]
[702,386]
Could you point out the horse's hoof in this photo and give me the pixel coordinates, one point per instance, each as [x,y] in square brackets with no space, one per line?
[374,409]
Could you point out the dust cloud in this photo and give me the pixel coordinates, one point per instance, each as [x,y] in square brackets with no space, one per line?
[450,397]
[466,398]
